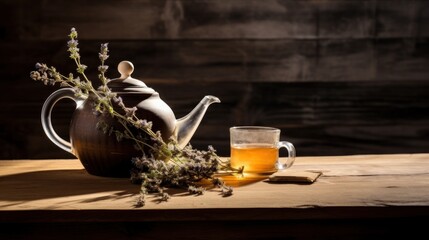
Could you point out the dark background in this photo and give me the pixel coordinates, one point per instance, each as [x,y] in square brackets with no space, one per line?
[336,76]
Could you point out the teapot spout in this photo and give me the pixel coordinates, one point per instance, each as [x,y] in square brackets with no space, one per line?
[187,125]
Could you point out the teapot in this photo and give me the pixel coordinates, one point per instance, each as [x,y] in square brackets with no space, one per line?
[102,154]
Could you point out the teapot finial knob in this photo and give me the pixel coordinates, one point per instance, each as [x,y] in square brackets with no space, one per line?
[125,68]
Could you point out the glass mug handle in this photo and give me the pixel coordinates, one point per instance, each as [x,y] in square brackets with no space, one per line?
[47,112]
[291,157]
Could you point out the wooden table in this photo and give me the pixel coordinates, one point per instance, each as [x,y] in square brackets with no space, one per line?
[357,197]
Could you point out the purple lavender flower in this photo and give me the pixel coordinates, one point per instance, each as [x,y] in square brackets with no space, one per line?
[103,68]
[103,52]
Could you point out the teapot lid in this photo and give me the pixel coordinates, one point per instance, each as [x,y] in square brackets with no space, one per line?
[125,83]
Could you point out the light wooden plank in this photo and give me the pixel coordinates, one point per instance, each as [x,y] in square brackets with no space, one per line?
[363,196]
[363,180]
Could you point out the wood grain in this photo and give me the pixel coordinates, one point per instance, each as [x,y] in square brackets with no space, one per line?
[358,197]
[356,180]
[338,77]
[211,19]
[319,118]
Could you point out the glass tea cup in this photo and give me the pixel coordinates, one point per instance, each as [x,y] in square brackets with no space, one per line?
[256,148]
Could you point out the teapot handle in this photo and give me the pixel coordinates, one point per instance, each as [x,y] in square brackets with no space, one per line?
[46,116]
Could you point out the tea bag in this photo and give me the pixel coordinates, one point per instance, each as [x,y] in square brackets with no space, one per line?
[297,176]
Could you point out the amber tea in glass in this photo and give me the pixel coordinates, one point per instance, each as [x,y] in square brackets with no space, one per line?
[257,149]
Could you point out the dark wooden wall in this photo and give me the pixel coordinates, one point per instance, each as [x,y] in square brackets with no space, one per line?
[337,76]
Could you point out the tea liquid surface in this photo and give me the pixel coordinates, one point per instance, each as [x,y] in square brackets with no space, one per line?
[256,158]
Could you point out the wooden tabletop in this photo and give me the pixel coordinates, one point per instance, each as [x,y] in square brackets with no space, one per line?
[348,182]
[360,180]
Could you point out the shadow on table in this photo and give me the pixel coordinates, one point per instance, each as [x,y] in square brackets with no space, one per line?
[61,183]
[39,185]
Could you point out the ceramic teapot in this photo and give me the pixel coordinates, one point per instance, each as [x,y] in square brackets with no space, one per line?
[101,154]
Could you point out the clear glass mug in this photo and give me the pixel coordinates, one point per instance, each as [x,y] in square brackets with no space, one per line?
[256,148]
